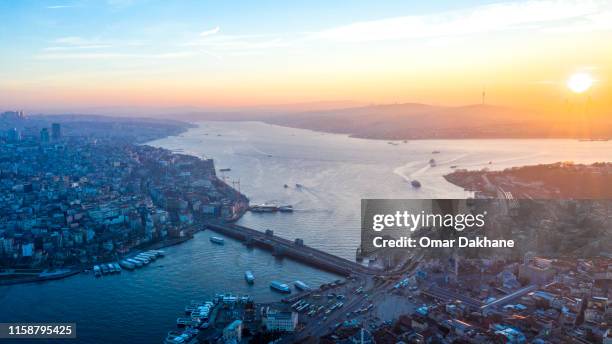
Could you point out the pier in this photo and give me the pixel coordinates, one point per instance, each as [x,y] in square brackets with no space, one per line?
[295,250]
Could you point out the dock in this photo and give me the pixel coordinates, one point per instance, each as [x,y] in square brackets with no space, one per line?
[295,250]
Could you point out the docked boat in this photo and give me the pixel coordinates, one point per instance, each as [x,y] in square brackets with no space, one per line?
[104,269]
[141,259]
[111,268]
[117,267]
[149,256]
[127,265]
[249,277]
[280,287]
[136,262]
[415,183]
[186,322]
[225,169]
[286,209]
[217,240]
[301,285]
[97,271]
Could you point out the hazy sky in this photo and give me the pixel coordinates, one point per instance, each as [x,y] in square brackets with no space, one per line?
[75,54]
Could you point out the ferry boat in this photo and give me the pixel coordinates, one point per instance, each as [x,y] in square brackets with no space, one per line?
[263,208]
[301,286]
[249,277]
[97,271]
[415,183]
[286,209]
[280,287]
[217,240]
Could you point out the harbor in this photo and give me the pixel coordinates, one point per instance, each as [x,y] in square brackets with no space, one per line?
[129,263]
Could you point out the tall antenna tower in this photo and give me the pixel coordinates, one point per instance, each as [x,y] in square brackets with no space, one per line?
[484,94]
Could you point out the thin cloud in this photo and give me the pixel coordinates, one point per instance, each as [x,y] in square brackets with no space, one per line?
[56,7]
[108,56]
[480,19]
[210,32]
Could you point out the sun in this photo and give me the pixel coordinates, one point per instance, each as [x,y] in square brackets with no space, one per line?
[579,82]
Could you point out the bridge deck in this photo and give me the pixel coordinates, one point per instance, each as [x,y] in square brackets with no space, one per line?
[287,248]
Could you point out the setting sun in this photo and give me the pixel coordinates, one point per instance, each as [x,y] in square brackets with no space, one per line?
[580,82]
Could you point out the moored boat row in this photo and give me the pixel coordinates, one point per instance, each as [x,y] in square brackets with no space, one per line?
[132,263]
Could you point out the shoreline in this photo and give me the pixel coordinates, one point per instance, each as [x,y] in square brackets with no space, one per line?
[197,123]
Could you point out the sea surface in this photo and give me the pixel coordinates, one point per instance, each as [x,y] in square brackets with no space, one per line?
[335,172]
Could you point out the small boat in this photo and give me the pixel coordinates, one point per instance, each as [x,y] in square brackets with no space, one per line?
[280,287]
[97,271]
[297,185]
[217,240]
[249,277]
[286,208]
[111,268]
[453,166]
[432,162]
[225,169]
[415,183]
[435,152]
[285,186]
[117,267]
[301,285]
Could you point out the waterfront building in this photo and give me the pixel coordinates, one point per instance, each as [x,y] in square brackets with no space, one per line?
[233,332]
[280,320]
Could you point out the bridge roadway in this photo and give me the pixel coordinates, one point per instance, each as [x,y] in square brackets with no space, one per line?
[292,249]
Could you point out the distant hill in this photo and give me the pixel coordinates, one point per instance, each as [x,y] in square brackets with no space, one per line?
[421,121]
